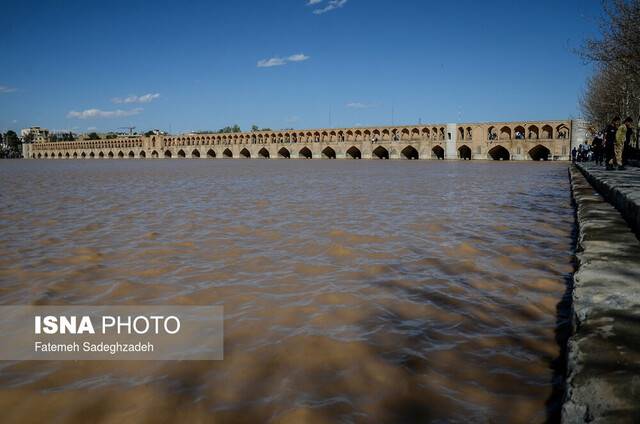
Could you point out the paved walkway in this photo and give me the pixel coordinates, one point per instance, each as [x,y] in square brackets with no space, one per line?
[603,383]
[620,188]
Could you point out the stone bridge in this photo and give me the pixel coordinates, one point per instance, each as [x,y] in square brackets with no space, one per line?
[543,140]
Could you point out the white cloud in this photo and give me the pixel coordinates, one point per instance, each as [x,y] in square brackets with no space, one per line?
[91,128]
[297,57]
[97,113]
[313,2]
[146,98]
[279,61]
[360,105]
[268,63]
[6,89]
[333,4]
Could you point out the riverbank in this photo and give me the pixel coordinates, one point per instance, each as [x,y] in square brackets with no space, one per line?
[603,383]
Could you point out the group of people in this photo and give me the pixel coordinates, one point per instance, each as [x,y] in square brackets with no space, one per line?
[608,147]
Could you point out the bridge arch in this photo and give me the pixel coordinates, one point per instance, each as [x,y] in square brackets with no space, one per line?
[142,154]
[305,153]
[227,153]
[211,153]
[167,154]
[505,133]
[539,152]
[154,154]
[181,153]
[547,132]
[437,152]
[464,152]
[75,155]
[195,153]
[284,153]
[60,154]
[110,155]
[92,155]
[534,132]
[40,155]
[66,155]
[245,153]
[354,153]
[131,154]
[410,153]
[264,153]
[499,153]
[328,153]
[380,153]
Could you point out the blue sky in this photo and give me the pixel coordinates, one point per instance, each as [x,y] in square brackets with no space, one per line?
[106,64]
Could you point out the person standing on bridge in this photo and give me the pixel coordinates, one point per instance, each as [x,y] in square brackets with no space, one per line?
[623,138]
[610,142]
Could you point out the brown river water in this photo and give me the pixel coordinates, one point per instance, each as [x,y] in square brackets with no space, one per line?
[354,291]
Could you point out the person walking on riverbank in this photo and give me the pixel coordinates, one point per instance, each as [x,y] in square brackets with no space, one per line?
[610,142]
[596,146]
[623,137]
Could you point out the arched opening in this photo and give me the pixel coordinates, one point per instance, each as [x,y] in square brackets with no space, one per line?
[284,153]
[110,155]
[143,154]
[464,152]
[46,155]
[121,154]
[547,132]
[66,155]
[499,153]
[534,133]
[354,153]
[305,153]
[154,154]
[328,153]
[245,153]
[227,153]
[40,155]
[410,153]
[181,153]
[505,133]
[60,154]
[92,155]
[75,155]
[167,154]
[437,152]
[519,132]
[539,153]
[460,133]
[264,153]
[380,153]
[195,153]
[211,154]
[83,155]
[101,154]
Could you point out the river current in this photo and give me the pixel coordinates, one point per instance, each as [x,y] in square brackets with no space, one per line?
[353,291]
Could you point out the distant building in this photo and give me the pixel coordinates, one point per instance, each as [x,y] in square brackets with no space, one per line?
[37,134]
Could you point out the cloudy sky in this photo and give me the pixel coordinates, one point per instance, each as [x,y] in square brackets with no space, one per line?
[288,63]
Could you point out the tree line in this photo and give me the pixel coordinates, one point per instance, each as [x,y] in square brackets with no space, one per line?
[614,88]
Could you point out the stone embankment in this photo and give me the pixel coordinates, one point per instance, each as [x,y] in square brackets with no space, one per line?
[603,382]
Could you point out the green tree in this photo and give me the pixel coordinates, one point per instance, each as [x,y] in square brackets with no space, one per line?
[14,147]
[254,128]
[93,136]
[149,133]
[111,136]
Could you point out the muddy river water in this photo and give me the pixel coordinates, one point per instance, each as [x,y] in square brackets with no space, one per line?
[354,291]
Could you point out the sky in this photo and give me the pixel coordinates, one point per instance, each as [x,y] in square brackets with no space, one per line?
[202,65]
